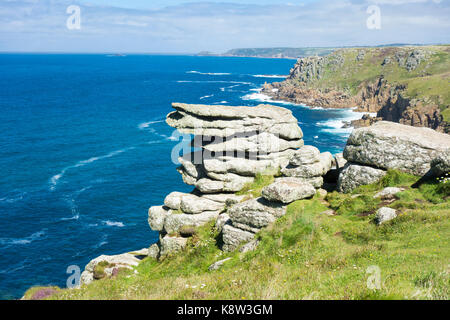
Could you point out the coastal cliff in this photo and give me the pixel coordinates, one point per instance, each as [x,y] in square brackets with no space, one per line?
[275,219]
[408,85]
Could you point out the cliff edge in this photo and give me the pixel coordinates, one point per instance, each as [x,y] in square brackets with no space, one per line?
[409,85]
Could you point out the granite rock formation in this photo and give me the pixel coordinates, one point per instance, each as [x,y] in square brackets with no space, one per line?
[386,145]
[232,145]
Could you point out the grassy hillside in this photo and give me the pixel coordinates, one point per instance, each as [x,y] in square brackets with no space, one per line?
[429,81]
[308,254]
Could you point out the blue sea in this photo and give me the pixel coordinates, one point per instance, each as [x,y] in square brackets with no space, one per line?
[85,151]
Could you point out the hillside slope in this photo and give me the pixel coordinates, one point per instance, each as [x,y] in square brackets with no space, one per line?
[409,85]
[323,248]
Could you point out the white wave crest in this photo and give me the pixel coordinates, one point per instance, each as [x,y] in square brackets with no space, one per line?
[114,224]
[55,179]
[337,126]
[210,73]
[145,125]
[269,76]
[23,241]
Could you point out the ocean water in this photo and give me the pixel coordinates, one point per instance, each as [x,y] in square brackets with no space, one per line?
[85,151]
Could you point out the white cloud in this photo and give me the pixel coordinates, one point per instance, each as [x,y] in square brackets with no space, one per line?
[39,25]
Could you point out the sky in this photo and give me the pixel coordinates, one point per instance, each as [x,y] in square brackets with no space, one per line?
[191,26]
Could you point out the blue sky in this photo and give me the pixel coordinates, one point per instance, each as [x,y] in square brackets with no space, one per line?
[186,26]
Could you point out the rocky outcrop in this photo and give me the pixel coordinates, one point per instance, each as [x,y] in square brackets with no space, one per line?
[287,190]
[322,82]
[106,266]
[386,145]
[301,177]
[354,175]
[232,146]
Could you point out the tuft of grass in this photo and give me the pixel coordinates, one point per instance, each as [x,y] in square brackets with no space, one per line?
[255,188]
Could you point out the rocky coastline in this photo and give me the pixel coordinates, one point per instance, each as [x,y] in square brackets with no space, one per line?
[235,146]
[333,81]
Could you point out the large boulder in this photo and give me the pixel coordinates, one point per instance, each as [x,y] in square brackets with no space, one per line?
[170,245]
[307,171]
[209,186]
[254,214]
[173,200]
[107,265]
[223,121]
[156,217]
[232,237]
[385,214]
[175,222]
[389,145]
[305,155]
[354,175]
[193,204]
[263,142]
[440,166]
[287,190]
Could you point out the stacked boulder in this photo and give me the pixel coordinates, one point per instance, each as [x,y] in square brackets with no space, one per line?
[231,146]
[372,151]
[235,143]
[301,177]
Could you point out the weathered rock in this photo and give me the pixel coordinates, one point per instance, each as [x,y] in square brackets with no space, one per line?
[125,260]
[251,246]
[354,175]
[153,251]
[217,265]
[385,214]
[170,245]
[173,200]
[221,221]
[174,222]
[225,198]
[316,182]
[157,216]
[242,166]
[310,170]
[440,166]
[223,121]
[389,145]
[305,155]
[230,178]
[233,237]
[288,190]
[86,278]
[193,204]
[339,161]
[263,142]
[388,193]
[214,186]
[254,214]
[192,164]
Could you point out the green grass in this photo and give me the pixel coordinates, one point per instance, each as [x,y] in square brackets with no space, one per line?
[254,189]
[308,255]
